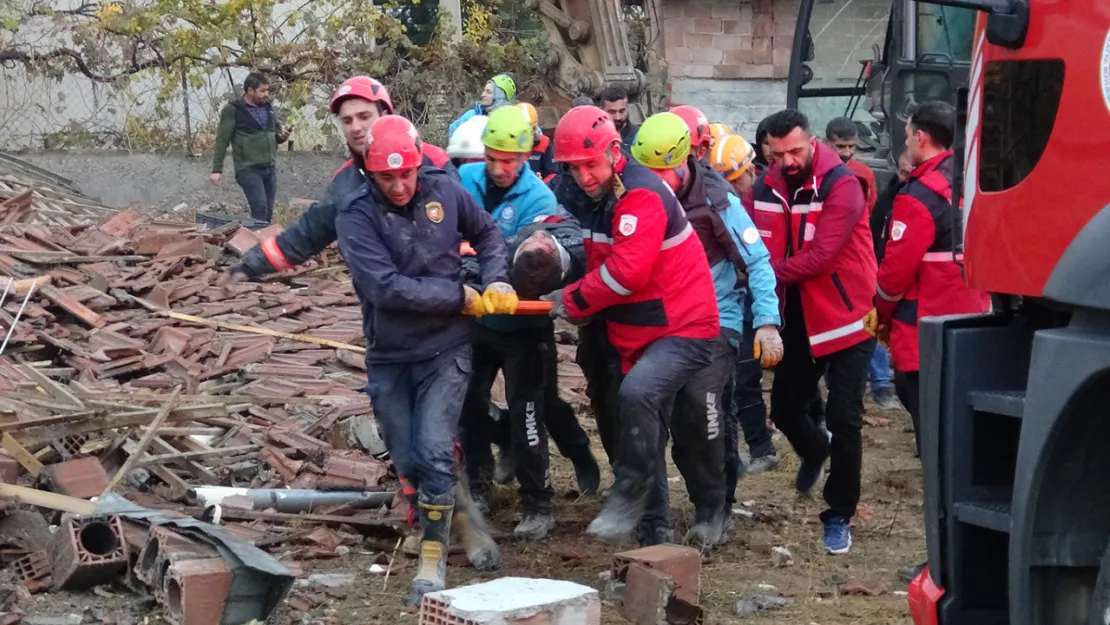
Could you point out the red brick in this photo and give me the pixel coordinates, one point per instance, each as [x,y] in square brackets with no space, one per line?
[196,591]
[697,42]
[738,57]
[82,478]
[763,25]
[707,26]
[87,551]
[243,240]
[681,564]
[9,469]
[761,51]
[732,42]
[647,593]
[192,246]
[736,27]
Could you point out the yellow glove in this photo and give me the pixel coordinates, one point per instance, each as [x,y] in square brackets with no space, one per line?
[500,299]
[768,346]
[473,305]
[871,321]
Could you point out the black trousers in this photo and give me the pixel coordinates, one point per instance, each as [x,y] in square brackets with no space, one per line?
[792,393]
[519,354]
[907,385]
[260,186]
[601,366]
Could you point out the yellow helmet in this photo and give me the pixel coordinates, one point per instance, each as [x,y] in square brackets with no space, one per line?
[508,130]
[718,130]
[530,111]
[663,141]
[732,156]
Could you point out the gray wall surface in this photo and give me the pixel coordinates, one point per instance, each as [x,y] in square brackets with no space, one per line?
[118,178]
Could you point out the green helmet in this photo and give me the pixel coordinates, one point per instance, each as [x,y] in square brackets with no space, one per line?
[506,84]
[663,141]
[509,130]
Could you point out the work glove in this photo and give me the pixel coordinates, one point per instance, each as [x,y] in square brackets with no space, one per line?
[871,321]
[883,334]
[768,346]
[473,305]
[559,310]
[500,299]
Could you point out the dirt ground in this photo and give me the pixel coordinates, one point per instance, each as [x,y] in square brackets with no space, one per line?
[887,535]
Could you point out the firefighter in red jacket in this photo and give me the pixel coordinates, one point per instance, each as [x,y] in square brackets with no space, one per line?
[812,216]
[920,276]
[649,280]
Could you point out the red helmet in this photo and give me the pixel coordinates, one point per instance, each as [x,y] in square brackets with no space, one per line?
[697,122]
[394,143]
[363,87]
[585,132]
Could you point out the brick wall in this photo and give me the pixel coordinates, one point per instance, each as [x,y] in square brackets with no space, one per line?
[730,58]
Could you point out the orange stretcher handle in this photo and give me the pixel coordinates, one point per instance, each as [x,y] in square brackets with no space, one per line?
[534,307]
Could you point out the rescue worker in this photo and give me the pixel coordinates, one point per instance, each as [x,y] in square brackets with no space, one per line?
[400,237]
[357,104]
[842,136]
[649,280]
[499,91]
[811,212]
[920,275]
[734,249]
[614,101]
[542,157]
[465,145]
[513,197]
[884,206]
[734,159]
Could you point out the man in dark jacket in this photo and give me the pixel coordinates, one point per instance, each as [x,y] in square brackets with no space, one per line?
[250,127]
[614,101]
[400,236]
[357,103]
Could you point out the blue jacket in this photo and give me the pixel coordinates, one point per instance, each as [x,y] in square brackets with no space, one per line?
[526,201]
[528,198]
[479,109]
[315,229]
[406,266]
[738,259]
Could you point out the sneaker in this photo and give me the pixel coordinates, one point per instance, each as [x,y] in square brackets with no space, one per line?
[838,536]
[885,399]
[764,464]
[808,475]
[533,526]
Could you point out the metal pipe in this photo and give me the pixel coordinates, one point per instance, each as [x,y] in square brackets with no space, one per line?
[288,500]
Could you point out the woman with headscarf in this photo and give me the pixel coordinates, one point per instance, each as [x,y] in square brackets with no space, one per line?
[501,89]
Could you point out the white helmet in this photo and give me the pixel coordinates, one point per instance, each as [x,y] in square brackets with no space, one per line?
[466,142]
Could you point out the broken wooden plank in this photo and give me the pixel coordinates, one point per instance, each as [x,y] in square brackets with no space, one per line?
[148,436]
[45,499]
[20,453]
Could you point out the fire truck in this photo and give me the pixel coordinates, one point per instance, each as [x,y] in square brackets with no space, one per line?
[1016,404]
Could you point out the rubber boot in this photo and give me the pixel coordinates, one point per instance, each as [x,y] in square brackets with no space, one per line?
[709,524]
[624,506]
[435,521]
[470,528]
[651,534]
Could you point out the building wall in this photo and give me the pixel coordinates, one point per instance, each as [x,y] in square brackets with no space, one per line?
[730,58]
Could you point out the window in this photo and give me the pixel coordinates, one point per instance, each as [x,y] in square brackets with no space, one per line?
[1020,99]
[945,31]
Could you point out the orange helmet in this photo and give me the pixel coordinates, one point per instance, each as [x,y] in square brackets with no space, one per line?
[696,122]
[363,87]
[530,111]
[716,131]
[732,156]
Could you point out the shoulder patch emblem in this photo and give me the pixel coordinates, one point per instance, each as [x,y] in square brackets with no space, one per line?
[750,236]
[434,211]
[627,225]
[897,230]
[508,213]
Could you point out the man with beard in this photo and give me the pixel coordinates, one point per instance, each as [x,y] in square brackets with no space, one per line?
[614,101]
[811,213]
[357,103]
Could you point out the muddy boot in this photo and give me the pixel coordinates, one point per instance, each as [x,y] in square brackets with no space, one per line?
[623,508]
[470,527]
[588,475]
[435,521]
[709,524]
[534,525]
[651,534]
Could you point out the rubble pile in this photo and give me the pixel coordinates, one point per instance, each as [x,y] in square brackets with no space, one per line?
[128,366]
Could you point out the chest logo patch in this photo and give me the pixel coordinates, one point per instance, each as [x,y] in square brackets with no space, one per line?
[750,236]
[627,225]
[434,211]
[897,230]
[508,213]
